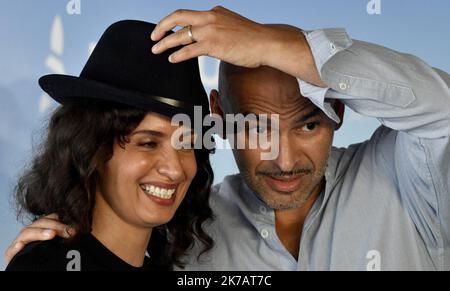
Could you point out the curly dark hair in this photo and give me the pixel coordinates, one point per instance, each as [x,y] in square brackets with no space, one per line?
[63,176]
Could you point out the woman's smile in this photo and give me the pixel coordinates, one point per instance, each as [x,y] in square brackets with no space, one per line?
[160,193]
[164,191]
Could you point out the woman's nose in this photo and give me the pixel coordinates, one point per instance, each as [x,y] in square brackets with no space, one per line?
[169,165]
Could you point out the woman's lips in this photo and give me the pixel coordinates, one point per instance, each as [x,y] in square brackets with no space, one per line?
[284,184]
[160,193]
[162,202]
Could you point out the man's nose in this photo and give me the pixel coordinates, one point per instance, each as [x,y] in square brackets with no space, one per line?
[169,165]
[287,157]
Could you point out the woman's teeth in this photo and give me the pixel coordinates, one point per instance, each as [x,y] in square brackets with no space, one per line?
[158,192]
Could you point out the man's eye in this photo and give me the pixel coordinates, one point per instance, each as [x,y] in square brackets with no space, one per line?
[257,130]
[310,126]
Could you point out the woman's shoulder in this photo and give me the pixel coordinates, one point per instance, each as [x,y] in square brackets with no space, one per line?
[41,256]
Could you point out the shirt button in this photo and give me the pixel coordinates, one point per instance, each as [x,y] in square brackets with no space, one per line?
[333,47]
[264,233]
[343,86]
[263,209]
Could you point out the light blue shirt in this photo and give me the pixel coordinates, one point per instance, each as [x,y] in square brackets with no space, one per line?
[386,204]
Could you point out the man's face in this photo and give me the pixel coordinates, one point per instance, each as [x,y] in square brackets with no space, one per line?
[305,135]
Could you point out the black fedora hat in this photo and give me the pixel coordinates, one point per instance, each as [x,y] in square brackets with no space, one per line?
[123,69]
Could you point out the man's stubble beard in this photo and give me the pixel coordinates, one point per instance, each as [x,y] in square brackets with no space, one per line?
[298,199]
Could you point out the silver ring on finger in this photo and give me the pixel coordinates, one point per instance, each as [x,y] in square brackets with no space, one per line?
[190,34]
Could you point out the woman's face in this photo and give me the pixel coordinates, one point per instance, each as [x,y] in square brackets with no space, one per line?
[146,180]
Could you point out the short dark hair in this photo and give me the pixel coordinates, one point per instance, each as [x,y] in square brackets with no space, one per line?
[63,176]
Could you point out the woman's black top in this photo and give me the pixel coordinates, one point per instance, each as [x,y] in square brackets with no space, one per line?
[85,253]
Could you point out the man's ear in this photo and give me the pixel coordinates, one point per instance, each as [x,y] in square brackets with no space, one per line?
[339,108]
[214,101]
[216,108]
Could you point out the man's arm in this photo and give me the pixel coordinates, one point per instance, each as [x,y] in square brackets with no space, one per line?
[372,80]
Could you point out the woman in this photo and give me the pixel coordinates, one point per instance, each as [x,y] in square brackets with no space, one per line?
[109,166]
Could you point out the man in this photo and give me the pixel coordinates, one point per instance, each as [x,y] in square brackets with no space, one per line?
[380,205]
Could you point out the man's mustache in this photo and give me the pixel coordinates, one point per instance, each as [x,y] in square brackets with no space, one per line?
[280,173]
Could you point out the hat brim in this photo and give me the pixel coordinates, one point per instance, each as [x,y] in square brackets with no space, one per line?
[68,89]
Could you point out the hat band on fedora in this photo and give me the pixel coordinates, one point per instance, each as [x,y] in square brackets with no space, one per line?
[171,102]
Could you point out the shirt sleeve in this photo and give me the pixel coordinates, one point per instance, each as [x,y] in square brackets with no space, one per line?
[400,90]
[324,45]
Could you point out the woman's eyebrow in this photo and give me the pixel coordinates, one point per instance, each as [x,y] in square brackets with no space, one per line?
[149,132]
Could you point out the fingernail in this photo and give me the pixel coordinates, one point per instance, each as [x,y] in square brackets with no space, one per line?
[47,233]
[70,231]
[171,58]
[155,48]
[152,36]
[17,246]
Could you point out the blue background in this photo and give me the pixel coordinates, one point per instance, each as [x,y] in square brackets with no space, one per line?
[417,27]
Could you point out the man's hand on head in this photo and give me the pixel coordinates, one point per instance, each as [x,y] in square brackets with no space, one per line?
[232,38]
[218,33]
